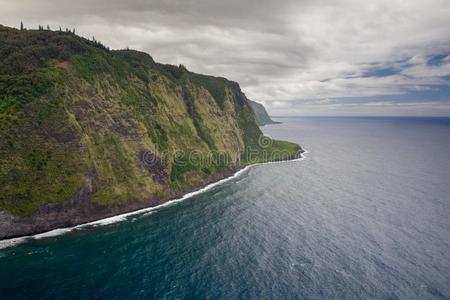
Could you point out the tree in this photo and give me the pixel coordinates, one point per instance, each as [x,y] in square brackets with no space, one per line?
[48,27]
[21,25]
[73,31]
[60,29]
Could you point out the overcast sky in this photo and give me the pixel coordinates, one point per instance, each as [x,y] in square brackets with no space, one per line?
[298,57]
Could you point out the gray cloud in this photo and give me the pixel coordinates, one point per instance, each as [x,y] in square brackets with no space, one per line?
[290,52]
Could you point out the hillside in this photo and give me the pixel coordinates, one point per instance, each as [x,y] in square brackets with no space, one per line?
[261,115]
[87,132]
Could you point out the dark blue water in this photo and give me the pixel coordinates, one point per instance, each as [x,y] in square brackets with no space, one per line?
[366,215]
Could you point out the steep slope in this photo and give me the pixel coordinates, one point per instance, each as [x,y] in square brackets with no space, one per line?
[261,115]
[87,132]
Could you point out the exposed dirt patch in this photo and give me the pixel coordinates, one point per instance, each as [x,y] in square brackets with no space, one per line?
[90,91]
[154,165]
[64,65]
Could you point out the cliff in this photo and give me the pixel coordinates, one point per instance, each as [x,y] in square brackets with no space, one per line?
[261,115]
[86,132]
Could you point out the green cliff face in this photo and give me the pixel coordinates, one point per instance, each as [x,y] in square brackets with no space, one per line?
[261,115]
[75,115]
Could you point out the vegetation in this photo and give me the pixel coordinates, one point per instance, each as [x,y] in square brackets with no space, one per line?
[72,111]
[261,116]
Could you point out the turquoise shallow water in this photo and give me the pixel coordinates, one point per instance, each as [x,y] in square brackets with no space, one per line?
[365,215]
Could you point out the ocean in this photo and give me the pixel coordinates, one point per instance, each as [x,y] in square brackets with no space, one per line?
[366,215]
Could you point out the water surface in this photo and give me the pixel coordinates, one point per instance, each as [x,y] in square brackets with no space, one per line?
[366,215]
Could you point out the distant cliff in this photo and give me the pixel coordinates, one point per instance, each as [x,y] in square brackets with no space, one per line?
[87,132]
[261,115]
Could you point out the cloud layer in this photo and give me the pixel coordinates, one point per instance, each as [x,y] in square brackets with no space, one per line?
[298,57]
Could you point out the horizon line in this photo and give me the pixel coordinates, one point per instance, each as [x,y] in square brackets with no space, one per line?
[357,116]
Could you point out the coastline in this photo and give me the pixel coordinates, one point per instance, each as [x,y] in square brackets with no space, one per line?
[13,241]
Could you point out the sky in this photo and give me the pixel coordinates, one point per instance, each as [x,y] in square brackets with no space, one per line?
[297,57]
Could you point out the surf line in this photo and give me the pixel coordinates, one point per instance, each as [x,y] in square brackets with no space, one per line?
[144,211]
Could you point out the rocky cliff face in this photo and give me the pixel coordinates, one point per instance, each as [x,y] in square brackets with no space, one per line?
[86,132]
[261,115]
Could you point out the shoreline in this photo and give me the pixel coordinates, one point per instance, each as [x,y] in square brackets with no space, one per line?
[10,242]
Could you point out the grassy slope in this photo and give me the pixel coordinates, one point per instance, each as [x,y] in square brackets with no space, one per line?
[70,110]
